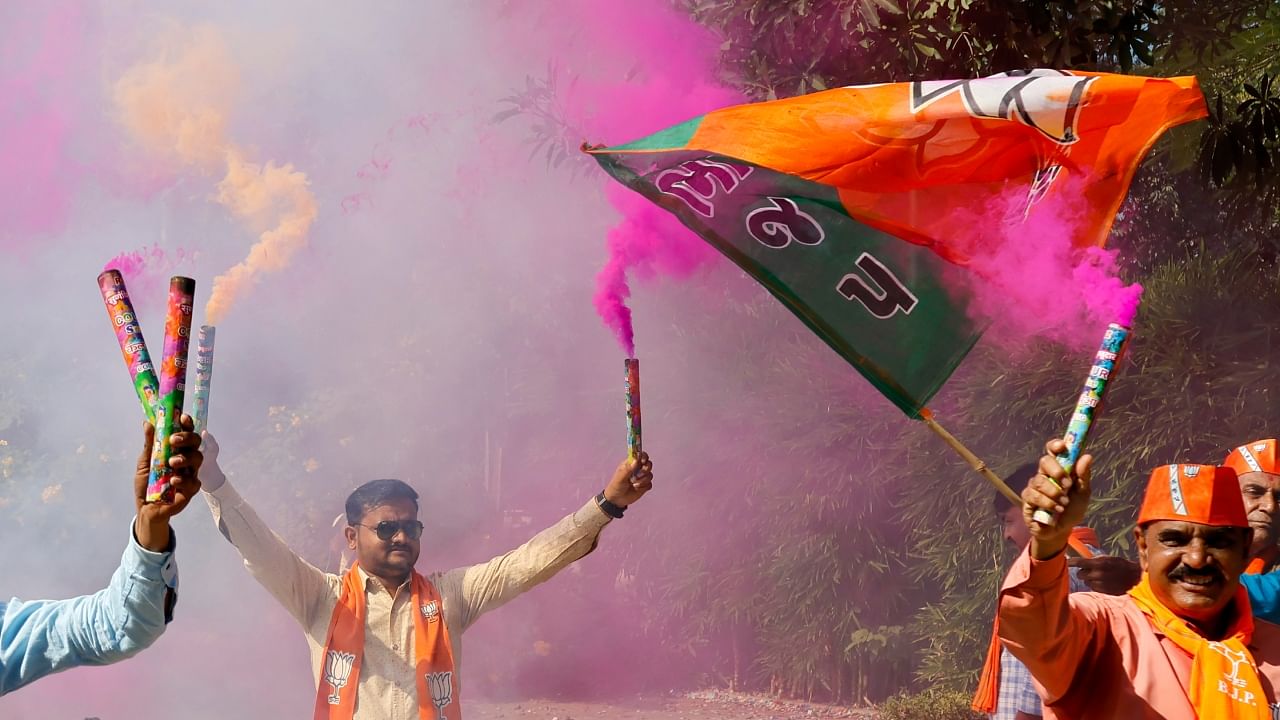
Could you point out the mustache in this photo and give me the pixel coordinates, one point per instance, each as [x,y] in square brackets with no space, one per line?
[405,548]
[1182,572]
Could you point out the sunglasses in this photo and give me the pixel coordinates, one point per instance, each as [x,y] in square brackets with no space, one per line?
[387,529]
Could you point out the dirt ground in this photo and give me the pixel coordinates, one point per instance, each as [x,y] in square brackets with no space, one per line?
[705,705]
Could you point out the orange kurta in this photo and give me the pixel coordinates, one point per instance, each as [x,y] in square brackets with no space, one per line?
[1098,657]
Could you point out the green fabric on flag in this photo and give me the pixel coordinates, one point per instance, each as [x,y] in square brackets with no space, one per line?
[895,310]
[675,136]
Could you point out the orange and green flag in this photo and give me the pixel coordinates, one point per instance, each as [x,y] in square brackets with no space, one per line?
[842,202]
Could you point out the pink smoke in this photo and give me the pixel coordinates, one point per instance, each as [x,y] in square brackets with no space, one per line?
[650,241]
[656,68]
[1033,282]
[41,54]
[147,269]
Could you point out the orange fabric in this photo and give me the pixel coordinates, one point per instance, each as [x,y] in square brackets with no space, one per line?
[1264,562]
[1257,456]
[1082,538]
[898,152]
[1204,494]
[438,692]
[988,692]
[1224,682]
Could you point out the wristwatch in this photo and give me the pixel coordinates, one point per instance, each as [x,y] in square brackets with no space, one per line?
[613,511]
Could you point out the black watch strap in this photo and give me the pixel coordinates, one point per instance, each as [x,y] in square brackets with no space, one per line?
[613,511]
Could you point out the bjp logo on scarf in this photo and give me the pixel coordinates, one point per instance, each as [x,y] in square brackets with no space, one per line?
[337,668]
[1231,684]
[430,611]
[441,686]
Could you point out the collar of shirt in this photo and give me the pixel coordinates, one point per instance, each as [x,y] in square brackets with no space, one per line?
[374,585]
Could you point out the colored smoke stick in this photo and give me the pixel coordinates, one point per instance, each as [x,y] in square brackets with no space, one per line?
[129,334]
[632,366]
[204,376]
[1089,404]
[173,379]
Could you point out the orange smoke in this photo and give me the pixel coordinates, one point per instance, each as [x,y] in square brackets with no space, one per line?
[176,107]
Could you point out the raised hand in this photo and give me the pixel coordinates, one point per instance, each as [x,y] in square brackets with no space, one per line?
[1064,496]
[152,526]
[632,479]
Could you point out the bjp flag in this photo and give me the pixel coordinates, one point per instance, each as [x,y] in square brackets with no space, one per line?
[841,202]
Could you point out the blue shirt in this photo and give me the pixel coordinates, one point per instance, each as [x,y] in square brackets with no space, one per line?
[1264,595]
[42,637]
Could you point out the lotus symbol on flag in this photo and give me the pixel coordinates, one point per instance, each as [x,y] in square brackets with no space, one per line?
[337,668]
[441,686]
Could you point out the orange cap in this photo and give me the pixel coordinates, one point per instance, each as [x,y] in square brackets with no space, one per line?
[1257,456]
[1203,494]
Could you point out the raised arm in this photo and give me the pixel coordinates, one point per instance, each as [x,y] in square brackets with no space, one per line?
[489,585]
[295,583]
[1053,633]
[42,637]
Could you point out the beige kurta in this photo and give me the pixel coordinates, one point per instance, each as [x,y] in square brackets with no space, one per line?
[388,689]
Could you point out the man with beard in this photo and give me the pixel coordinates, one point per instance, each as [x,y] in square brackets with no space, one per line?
[385,640]
[1182,644]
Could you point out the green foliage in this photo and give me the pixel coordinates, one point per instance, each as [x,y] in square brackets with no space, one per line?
[929,705]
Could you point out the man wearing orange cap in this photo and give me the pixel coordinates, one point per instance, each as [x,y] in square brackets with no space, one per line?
[1259,473]
[1182,644]
[1255,464]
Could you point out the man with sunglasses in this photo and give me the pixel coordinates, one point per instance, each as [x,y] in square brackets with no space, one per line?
[385,640]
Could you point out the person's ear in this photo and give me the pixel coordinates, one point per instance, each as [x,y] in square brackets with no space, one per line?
[350,532]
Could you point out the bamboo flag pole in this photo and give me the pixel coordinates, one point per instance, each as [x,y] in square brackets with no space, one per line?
[981,468]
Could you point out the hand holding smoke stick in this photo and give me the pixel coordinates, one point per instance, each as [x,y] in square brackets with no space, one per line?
[980,467]
[161,398]
[634,477]
[1088,405]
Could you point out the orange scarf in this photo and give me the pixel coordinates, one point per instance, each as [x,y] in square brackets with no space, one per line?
[1224,679]
[438,697]
[988,692]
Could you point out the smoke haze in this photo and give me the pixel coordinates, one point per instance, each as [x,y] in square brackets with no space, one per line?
[415,297]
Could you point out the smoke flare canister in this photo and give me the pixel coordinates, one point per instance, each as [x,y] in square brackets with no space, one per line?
[204,376]
[173,379]
[129,333]
[633,407]
[1090,403]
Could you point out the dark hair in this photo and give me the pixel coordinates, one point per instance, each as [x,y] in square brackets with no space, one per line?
[1017,481]
[374,493]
